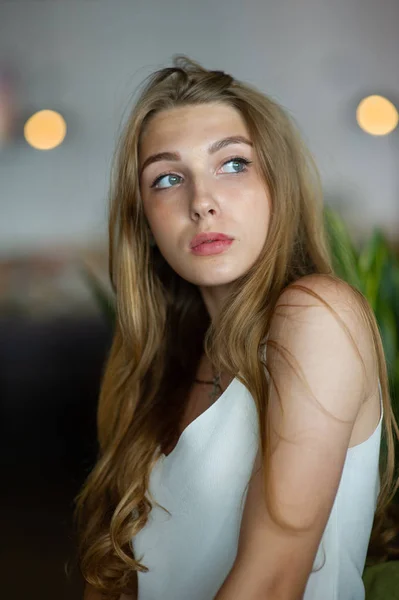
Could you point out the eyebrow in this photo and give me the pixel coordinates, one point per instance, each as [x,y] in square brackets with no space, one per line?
[214,147]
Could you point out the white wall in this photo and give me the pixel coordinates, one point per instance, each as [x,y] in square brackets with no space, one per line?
[85,58]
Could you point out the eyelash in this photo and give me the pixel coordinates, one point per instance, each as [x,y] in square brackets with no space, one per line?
[239,159]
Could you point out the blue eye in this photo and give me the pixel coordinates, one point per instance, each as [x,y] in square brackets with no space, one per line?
[164,176]
[237,160]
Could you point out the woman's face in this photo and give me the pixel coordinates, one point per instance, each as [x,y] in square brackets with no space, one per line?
[190,188]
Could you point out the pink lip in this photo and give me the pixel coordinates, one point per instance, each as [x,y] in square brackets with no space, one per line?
[208,248]
[207,236]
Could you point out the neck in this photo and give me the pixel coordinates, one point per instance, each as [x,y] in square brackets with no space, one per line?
[206,373]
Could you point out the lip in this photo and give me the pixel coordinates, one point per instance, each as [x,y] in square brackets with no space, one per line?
[211,248]
[206,236]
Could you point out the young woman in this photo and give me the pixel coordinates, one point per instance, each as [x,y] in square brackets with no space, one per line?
[245,393]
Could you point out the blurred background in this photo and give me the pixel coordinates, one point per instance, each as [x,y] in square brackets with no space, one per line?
[68,74]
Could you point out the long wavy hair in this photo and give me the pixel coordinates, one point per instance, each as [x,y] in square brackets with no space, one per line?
[163,328]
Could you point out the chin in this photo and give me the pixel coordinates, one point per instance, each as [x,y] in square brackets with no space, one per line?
[211,279]
[208,272]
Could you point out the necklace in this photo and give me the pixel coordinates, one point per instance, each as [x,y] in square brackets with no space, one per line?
[217,388]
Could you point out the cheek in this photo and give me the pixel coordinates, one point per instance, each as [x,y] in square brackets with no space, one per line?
[166,226]
[157,216]
[257,210]
[260,221]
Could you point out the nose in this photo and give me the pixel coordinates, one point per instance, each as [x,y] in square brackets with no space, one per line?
[203,199]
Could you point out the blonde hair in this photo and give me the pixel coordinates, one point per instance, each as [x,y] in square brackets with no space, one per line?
[162,326]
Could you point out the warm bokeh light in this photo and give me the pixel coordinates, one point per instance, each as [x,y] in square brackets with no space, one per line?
[45,130]
[377,115]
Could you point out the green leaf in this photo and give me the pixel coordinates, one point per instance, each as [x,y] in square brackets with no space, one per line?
[389,334]
[371,262]
[381,581]
[343,253]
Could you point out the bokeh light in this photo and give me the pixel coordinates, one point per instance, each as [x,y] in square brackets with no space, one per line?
[377,115]
[45,130]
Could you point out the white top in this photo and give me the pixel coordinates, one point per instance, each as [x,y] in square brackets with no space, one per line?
[202,481]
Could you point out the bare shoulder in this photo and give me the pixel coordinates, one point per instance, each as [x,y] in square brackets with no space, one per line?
[323,295]
[321,318]
[322,289]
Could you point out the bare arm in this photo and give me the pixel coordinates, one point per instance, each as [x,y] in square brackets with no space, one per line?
[309,437]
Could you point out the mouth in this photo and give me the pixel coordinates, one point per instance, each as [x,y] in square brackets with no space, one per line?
[209,238]
[212,247]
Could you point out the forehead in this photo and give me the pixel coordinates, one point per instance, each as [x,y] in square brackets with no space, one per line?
[195,124]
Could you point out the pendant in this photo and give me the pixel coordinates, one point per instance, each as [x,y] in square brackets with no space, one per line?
[216,389]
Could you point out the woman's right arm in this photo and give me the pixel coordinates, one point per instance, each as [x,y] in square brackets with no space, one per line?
[92,594]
